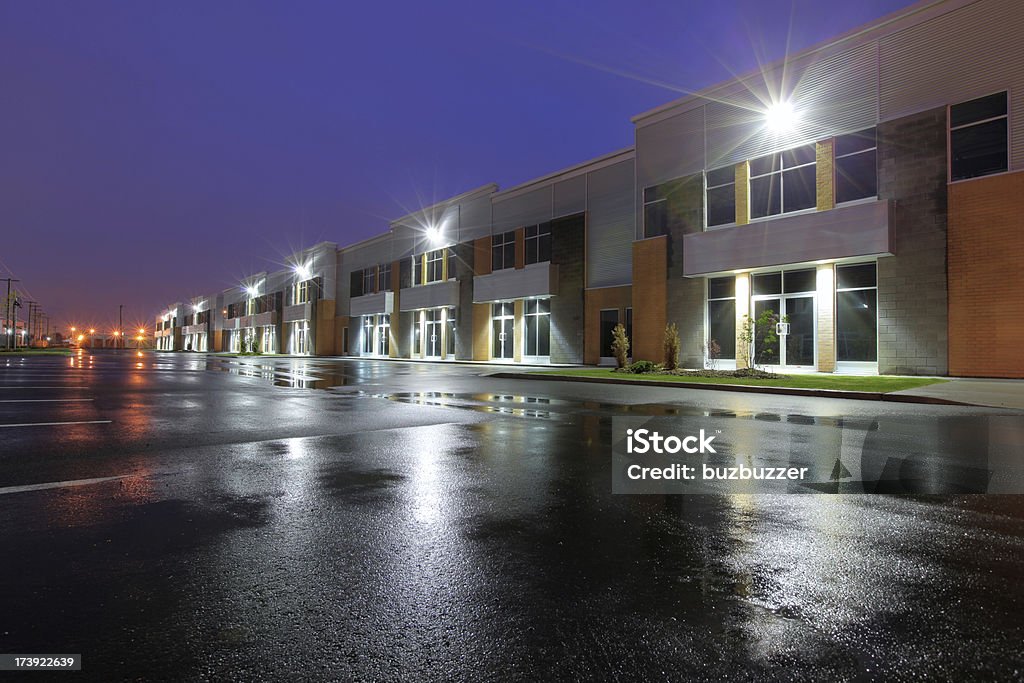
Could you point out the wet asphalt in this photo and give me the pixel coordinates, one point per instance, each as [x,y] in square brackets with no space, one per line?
[375,520]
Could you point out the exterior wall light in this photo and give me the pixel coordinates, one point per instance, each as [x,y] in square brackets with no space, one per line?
[780,117]
[302,271]
[434,233]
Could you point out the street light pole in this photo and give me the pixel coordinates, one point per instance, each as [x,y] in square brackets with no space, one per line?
[120,325]
[8,311]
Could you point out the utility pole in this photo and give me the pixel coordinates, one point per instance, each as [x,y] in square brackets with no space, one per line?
[8,308]
[120,325]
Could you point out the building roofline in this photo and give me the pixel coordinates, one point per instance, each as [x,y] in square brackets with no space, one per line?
[567,173]
[489,188]
[917,13]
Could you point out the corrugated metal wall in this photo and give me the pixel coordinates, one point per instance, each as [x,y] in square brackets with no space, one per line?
[474,219]
[973,51]
[524,209]
[570,196]
[965,53]
[610,220]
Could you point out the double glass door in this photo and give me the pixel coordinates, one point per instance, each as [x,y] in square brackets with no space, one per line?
[795,348]
[432,333]
[503,331]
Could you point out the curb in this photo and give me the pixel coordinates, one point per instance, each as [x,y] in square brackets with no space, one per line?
[811,393]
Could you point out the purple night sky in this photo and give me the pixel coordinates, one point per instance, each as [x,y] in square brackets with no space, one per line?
[152,151]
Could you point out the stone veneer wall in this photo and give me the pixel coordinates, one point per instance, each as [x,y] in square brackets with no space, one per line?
[912,299]
[567,249]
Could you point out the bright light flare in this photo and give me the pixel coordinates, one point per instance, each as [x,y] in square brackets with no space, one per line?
[302,271]
[433,233]
[781,117]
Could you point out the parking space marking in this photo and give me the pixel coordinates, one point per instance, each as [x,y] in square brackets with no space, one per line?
[58,484]
[55,424]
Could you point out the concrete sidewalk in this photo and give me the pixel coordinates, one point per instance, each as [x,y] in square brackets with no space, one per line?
[995,393]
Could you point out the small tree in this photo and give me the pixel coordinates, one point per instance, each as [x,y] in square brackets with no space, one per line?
[671,347]
[759,335]
[620,345]
[713,351]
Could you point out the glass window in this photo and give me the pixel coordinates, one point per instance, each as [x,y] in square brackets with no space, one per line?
[629,325]
[768,283]
[538,327]
[655,216]
[856,166]
[367,345]
[721,288]
[783,182]
[538,243]
[383,334]
[722,316]
[385,277]
[503,250]
[435,265]
[721,196]
[370,280]
[609,319]
[796,281]
[978,140]
[450,336]
[856,313]
[417,270]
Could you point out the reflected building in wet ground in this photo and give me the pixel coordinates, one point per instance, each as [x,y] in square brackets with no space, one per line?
[866,190]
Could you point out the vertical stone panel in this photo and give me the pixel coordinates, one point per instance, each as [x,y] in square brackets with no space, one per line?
[743,193]
[465,265]
[567,307]
[826,297]
[742,311]
[912,302]
[825,174]
[685,296]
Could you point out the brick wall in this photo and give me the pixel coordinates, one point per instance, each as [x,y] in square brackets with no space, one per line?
[619,298]
[567,250]
[650,294]
[912,318]
[986,277]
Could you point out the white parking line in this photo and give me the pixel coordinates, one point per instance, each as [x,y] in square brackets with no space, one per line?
[52,386]
[58,484]
[42,400]
[54,424]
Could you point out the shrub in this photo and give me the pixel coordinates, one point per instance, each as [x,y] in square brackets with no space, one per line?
[671,347]
[643,367]
[620,345]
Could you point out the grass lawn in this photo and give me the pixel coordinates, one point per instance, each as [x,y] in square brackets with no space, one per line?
[36,352]
[875,384]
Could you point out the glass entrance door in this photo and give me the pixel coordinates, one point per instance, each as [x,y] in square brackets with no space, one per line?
[795,349]
[432,330]
[503,331]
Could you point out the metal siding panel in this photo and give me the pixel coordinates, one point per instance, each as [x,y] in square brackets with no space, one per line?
[833,94]
[570,196]
[525,209]
[475,219]
[610,225]
[670,149]
[954,57]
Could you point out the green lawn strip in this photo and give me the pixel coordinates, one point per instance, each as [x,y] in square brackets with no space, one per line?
[36,352]
[873,384]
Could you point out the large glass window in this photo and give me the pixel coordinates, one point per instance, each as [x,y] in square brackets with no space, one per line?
[783,182]
[367,340]
[538,243]
[417,270]
[721,196]
[449,343]
[856,313]
[538,327]
[978,141]
[369,280]
[384,271]
[383,334]
[722,317]
[503,250]
[435,265]
[856,166]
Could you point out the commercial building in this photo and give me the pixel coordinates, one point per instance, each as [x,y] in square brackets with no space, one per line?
[866,193]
